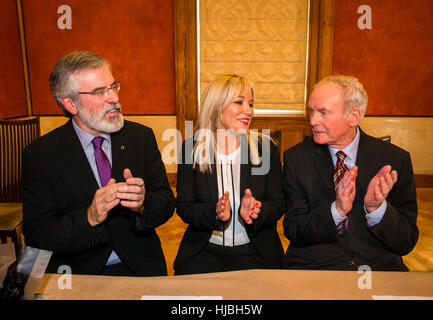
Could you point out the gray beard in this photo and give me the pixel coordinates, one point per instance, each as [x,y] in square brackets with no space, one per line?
[97,122]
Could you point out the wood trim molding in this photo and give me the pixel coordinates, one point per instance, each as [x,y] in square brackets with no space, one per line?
[321,41]
[288,131]
[185,17]
[424,180]
[326,38]
[24,57]
[421,180]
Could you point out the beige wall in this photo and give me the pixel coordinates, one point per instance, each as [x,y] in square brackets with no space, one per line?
[158,123]
[414,134]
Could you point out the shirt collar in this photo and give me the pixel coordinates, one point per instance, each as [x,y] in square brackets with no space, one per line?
[86,137]
[350,150]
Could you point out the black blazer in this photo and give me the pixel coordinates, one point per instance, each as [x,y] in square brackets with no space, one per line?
[308,224]
[197,196]
[58,188]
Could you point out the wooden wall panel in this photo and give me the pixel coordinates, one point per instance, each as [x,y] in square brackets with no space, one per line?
[185,12]
[287,131]
[137,37]
[393,59]
[12,90]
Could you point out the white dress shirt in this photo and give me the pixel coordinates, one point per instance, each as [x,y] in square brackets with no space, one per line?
[229,177]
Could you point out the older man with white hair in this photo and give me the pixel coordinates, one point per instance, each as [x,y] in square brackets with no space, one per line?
[351,198]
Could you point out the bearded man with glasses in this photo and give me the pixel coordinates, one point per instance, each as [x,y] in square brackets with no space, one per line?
[95,189]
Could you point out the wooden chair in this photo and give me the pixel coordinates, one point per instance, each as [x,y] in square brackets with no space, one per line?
[385,138]
[15,135]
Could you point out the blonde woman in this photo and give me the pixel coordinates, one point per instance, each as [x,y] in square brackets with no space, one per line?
[229,187]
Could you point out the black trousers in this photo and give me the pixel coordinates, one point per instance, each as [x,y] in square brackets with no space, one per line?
[217,258]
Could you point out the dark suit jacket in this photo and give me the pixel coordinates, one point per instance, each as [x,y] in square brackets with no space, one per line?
[197,196]
[308,224]
[59,186]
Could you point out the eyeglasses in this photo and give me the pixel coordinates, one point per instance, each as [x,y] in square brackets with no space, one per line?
[103,92]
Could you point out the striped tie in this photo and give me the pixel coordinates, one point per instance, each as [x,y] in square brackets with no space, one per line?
[340,170]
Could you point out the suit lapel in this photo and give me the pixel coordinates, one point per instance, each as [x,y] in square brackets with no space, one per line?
[75,159]
[325,168]
[120,151]
[245,178]
[366,162]
[245,167]
[213,182]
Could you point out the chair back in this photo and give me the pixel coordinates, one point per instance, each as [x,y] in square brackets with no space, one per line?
[386,138]
[15,135]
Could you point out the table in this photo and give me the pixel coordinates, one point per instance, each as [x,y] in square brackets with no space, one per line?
[243,285]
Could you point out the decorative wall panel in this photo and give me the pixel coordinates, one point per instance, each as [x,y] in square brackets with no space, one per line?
[393,58]
[413,134]
[263,40]
[137,37]
[12,90]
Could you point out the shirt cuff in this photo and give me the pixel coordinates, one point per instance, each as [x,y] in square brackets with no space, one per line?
[335,215]
[374,217]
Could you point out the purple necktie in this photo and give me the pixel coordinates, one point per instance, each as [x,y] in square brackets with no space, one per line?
[102,162]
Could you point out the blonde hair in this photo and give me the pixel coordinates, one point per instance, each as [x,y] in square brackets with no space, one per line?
[219,94]
[354,94]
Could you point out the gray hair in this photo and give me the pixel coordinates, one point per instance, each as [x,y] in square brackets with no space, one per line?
[62,82]
[354,94]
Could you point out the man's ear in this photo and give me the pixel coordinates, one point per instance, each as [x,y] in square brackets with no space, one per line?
[355,115]
[69,105]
